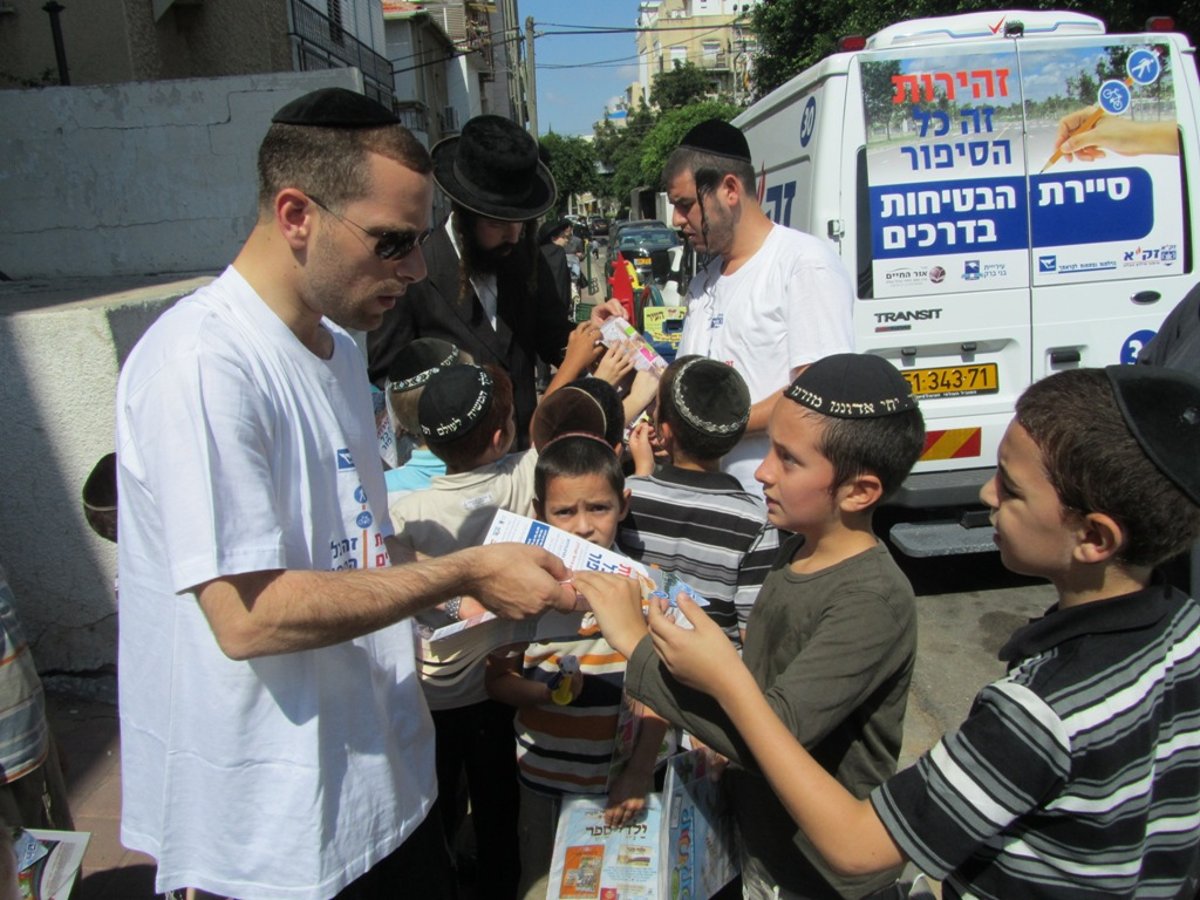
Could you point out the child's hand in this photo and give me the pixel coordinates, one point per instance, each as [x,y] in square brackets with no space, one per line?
[617,604]
[642,392]
[641,447]
[699,656]
[616,363]
[627,797]
[583,347]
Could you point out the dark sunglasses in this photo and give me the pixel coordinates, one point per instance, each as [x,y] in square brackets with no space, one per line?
[389,245]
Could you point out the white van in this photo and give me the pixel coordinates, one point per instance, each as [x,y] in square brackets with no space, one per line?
[985,260]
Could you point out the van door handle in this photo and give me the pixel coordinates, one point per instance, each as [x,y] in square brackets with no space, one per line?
[1146,297]
[1061,357]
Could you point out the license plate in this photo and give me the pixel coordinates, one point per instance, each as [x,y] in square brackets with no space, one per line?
[642,261]
[953,381]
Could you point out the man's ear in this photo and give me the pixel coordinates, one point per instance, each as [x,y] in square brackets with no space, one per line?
[860,493]
[731,185]
[1099,537]
[294,217]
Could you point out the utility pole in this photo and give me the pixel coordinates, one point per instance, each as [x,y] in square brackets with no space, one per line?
[530,78]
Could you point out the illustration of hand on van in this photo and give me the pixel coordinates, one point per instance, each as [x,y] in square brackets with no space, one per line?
[1087,133]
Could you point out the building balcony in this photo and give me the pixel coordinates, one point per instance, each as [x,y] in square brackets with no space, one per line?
[322,43]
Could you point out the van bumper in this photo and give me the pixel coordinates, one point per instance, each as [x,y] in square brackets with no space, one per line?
[948,518]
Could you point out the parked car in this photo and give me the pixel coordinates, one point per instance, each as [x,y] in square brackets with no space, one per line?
[598,226]
[645,243]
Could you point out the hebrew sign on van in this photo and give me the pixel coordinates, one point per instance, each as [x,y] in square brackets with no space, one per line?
[983,166]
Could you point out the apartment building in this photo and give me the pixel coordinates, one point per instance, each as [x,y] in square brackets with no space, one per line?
[711,34]
[437,63]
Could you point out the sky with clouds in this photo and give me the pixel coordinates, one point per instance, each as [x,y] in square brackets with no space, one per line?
[578,75]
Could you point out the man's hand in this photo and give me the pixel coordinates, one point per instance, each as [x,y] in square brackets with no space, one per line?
[609,309]
[516,581]
[617,603]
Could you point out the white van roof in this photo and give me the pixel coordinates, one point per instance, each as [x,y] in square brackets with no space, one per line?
[983,26]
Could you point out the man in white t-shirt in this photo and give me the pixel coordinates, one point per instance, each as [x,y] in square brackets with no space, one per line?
[275,743]
[771,301]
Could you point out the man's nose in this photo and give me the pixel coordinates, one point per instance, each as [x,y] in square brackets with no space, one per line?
[411,267]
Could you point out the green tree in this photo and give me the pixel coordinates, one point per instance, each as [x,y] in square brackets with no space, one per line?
[572,162]
[684,83]
[668,131]
[618,149]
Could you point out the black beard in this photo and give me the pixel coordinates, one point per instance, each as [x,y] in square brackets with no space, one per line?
[509,261]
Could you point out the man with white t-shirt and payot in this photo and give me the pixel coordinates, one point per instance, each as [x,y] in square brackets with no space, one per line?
[771,300]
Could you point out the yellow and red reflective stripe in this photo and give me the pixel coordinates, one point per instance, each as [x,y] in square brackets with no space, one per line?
[952,443]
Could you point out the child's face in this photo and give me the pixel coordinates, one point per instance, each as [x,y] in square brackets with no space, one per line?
[586,506]
[797,478]
[1031,532]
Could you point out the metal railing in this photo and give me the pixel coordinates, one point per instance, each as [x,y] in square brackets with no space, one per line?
[324,44]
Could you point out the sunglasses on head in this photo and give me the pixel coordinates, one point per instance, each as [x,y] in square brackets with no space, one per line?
[389,245]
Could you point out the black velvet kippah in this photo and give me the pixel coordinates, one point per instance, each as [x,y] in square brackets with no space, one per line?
[413,365]
[454,402]
[1161,407]
[335,108]
[719,138]
[710,396]
[852,386]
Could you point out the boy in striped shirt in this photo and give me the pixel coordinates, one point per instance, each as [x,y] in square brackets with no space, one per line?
[565,739]
[1078,774]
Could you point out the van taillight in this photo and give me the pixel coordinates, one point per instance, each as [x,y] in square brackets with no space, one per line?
[850,43]
[1160,23]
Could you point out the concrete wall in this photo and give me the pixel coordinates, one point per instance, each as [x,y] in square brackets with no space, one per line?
[102,181]
[144,177]
[61,345]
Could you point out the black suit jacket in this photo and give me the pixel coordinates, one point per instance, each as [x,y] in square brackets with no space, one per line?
[527,325]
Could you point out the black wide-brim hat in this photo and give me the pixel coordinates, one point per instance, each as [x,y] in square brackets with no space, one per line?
[493,169]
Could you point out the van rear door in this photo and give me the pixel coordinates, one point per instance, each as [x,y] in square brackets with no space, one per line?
[1108,227]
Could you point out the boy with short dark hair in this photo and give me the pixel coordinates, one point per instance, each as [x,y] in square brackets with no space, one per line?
[831,638]
[565,742]
[688,517]
[1076,775]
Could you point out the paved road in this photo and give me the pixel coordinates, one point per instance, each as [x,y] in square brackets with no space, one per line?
[967,607]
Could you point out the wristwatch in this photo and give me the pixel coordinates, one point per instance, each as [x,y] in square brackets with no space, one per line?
[452,607]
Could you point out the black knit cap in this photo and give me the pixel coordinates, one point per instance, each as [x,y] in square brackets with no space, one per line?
[1161,407]
[718,138]
[335,108]
[852,386]
[710,396]
[417,361]
[455,400]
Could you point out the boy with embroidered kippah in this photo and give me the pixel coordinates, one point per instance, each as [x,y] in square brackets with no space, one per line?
[1076,775]
[831,638]
[411,368]
[688,517]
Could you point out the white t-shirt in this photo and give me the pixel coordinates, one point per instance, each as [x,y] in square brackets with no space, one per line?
[286,776]
[789,305]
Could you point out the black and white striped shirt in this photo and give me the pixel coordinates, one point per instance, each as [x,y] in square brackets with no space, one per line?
[703,527]
[1078,774]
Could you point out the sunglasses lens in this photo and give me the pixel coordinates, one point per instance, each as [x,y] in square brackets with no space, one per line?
[398,244]
[395,244]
